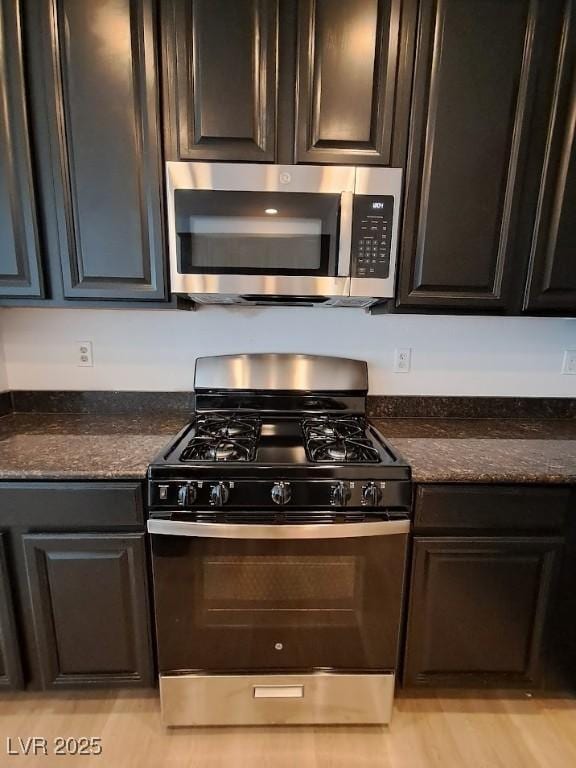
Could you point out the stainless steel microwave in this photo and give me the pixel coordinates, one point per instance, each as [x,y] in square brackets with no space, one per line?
[284,234]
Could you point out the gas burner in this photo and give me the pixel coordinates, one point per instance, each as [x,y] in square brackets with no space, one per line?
[339,440]
[223,438]
[222,426]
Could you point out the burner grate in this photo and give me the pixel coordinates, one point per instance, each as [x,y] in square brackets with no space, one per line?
[339,440]
[220,438]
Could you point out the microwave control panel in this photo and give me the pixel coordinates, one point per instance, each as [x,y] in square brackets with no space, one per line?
[371,235]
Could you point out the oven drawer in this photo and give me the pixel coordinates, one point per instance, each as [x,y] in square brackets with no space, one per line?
[316,699]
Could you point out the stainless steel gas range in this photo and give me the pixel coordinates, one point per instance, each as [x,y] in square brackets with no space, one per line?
[279,523]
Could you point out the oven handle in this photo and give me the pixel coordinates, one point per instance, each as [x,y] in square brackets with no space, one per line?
[345,244]
[278,531]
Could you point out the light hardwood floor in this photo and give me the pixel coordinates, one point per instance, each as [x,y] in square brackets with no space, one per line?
[427,732]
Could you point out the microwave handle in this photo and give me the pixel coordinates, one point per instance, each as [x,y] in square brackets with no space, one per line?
[345,244]
[278,531]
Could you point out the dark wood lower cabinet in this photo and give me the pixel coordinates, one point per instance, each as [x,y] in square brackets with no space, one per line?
[477,610]
[10,666]
[90,610]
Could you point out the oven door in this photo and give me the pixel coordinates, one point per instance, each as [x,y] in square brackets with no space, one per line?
[278,597]
[259,230]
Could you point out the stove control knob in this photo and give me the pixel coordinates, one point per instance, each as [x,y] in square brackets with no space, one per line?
[219,494]
[371,495]
[340,494]
[186,495]
[281,493]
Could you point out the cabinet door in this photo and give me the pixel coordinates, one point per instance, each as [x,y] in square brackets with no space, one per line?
[20,273]
[101,90]
[477,610]
[220,79]
[10,667]
[474,82]
[354,73]
[88,595]
[552,272]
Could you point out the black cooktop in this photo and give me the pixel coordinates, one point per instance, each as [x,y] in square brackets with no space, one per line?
[222,440]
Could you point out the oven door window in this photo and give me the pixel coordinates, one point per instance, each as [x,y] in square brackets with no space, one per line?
[280,591]
[257,233]
[233,605]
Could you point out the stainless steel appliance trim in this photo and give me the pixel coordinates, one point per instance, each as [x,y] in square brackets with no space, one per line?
[282,300]
[172,243]
[378,288]
[265,285]
[345,244]
[277,531]
[202,700]
[252,177]
[278,691]
[380,181]
[281,371]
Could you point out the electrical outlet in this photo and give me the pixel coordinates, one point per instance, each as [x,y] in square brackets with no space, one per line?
[84,357]
[402,360]
[569,361]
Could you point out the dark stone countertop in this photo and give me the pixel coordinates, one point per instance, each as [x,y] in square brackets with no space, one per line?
[88,446]
[35,446]
[485,450]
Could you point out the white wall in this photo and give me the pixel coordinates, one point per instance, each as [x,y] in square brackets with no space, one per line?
[155,350]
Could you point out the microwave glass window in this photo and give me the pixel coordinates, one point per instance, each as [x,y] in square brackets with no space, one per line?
[256,232]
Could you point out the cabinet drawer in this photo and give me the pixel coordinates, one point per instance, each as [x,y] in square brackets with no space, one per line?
[71,505]
[485,507]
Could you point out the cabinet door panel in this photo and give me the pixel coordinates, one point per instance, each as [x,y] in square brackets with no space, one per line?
[552,276]
[10,666]
[220,79]
[89,602]
[106,145]
[347,79]
[473,86]
[20,273]
[477,610]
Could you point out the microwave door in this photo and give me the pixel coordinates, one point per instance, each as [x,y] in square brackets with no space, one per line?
[258,234]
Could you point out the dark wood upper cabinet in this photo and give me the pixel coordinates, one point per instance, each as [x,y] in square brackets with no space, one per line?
[10,666]
[475,70]
[478,609]
[89,603]
[100,73]
[220,61]
[20,272]
[552,271]
[354,74]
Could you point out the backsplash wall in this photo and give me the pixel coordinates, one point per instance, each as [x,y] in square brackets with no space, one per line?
[155,350]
